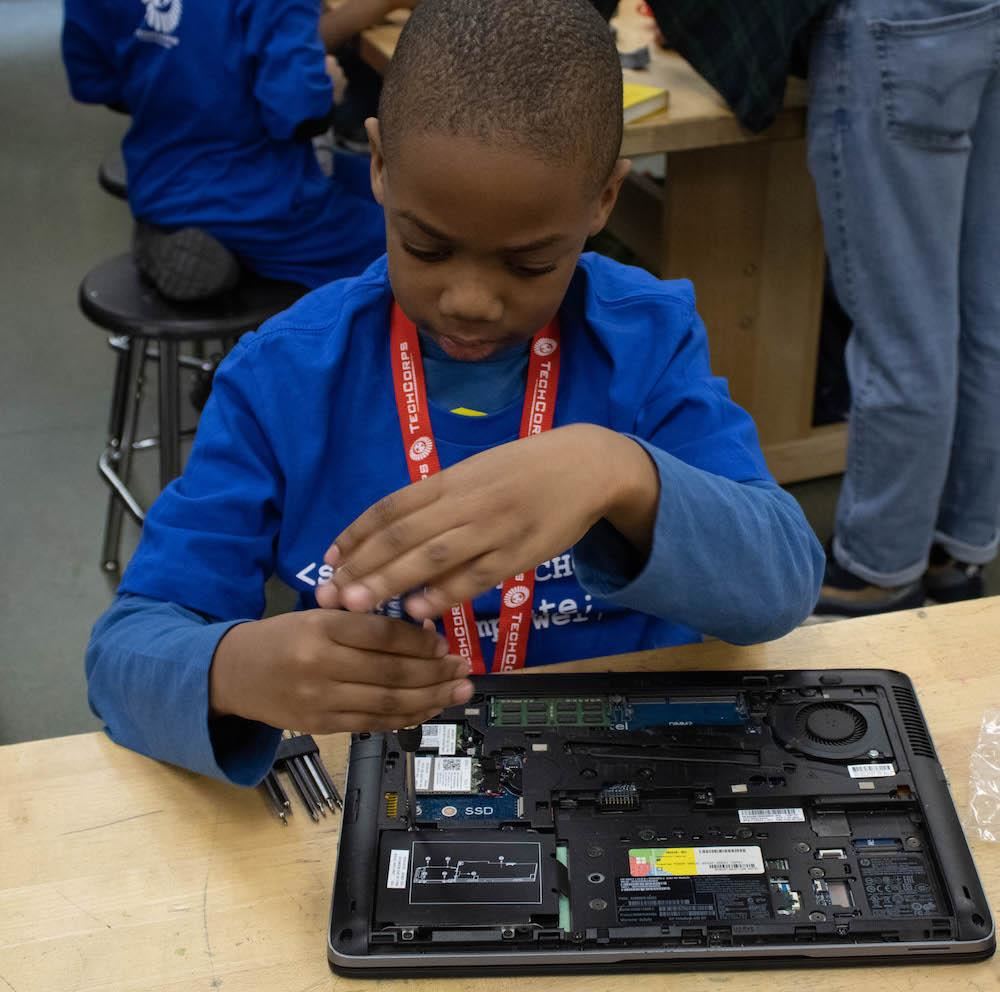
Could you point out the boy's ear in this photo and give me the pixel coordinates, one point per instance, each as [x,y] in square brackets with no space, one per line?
[609,195]
[378,162]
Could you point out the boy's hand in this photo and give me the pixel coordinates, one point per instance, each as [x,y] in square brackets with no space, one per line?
[501,512]
[324,671]
[337,78]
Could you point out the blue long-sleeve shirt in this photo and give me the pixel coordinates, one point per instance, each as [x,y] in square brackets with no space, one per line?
[301,435]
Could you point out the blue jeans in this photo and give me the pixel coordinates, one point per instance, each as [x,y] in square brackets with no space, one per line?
[904,146]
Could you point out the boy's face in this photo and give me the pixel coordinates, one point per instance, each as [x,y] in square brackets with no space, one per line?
[483,239]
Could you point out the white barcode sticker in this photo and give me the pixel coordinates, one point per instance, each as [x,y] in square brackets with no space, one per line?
[452,775]
[399,862]
[442,736]
[790,815]
[886,770]
[422,765]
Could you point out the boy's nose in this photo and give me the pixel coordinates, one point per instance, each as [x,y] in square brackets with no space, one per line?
[471,301]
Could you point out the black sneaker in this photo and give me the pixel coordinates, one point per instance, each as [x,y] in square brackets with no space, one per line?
[845,595]
[185,265]
[950,581]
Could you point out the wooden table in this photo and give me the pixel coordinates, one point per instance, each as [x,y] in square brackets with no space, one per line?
[118,874]
[738,215]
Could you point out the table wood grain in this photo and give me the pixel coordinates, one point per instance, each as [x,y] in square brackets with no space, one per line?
[119,874]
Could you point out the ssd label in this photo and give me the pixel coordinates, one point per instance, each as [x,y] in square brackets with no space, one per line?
[688,861]
[872,771]
[650,901]
[441,736]
[399,862]
[789,815]
[487,809]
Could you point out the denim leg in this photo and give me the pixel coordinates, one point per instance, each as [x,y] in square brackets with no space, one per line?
[970,507]
[893,106]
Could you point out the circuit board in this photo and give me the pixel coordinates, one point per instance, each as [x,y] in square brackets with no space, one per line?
[717,812]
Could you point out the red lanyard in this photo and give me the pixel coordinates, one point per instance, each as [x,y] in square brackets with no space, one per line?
[518,592]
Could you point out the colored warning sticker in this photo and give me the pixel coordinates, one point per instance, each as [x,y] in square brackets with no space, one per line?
[687,861]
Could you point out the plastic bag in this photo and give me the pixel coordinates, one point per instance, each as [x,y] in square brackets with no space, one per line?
[984,782]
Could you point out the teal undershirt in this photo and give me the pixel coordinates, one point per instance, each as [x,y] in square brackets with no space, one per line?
[487,386]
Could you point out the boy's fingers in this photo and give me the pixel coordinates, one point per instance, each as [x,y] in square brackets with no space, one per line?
[431,527]
[399,706]
[328,596]
[386,513]
[453,550]
[467,582]
[338,722]
[383,635]
[396,672]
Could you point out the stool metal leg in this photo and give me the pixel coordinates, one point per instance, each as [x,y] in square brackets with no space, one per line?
[129,444]
[170,412]
[122,346]
[115,463]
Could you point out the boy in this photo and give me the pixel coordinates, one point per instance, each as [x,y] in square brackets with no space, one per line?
[495,156]
[224,99]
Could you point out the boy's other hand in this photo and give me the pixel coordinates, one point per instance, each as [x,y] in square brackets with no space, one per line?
[494,515]
[326,671]
[337,78]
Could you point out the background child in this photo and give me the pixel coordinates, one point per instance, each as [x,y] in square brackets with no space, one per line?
[224,98]
[644,518]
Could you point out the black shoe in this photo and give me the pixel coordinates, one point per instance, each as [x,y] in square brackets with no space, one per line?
[184,265]
[951,581]
[845,595]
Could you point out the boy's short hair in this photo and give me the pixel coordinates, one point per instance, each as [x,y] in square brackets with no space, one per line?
[542,75]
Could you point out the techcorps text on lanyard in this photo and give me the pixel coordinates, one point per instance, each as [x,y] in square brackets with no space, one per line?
[518,592]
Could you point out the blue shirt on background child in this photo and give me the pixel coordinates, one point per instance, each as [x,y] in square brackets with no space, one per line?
[216,93]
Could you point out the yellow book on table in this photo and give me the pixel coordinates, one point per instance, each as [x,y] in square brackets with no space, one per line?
[640,101]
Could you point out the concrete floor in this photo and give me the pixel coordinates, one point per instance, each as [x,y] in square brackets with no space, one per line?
[55,379]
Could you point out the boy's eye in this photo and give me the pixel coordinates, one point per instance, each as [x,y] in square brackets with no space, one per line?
[427,254]
[532,271]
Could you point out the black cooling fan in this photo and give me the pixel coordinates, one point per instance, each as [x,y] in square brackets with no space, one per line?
[833,724]
[831,730]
